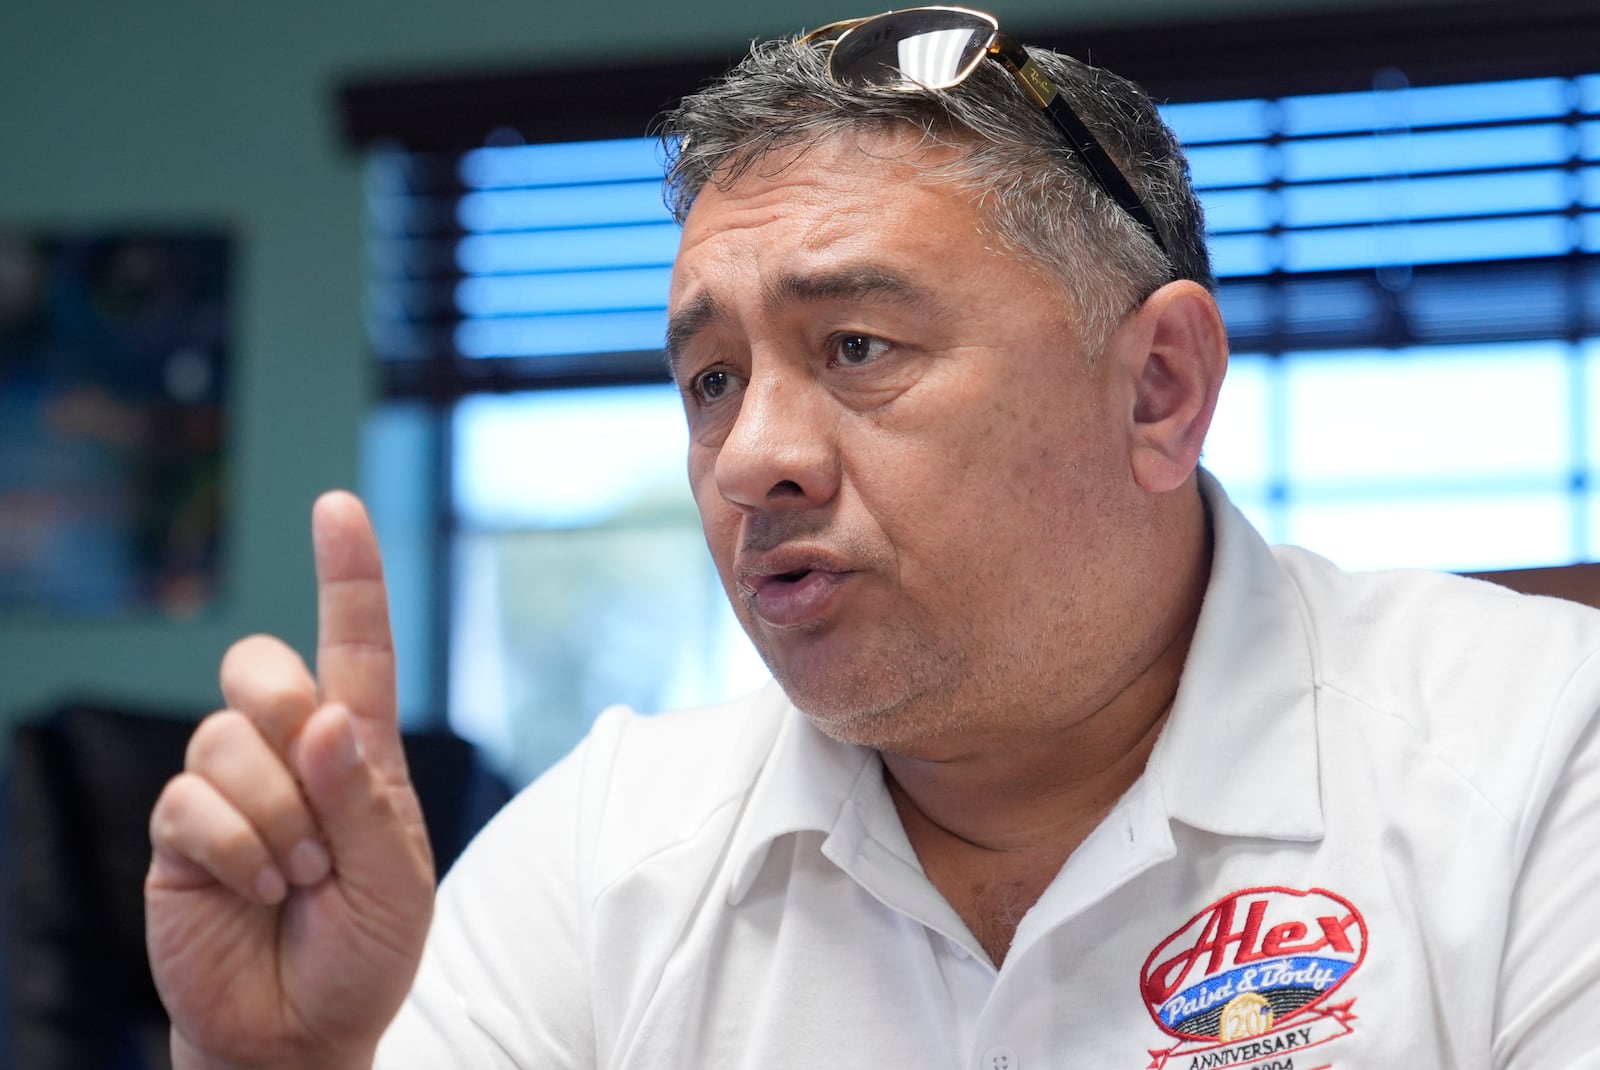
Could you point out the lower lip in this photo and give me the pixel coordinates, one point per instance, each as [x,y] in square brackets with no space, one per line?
[783,605]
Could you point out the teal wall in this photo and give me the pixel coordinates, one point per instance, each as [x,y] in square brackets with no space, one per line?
[182,111]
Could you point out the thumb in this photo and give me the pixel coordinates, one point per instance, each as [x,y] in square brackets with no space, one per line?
[373,836]
[350,945]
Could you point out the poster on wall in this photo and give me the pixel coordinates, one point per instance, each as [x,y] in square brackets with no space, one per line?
[113,374]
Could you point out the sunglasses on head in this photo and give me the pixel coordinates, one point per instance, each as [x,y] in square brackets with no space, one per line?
[937,48]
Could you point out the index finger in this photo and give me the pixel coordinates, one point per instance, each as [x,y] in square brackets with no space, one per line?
[355,649]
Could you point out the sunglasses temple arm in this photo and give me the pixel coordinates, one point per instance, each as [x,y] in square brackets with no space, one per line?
[1100,165]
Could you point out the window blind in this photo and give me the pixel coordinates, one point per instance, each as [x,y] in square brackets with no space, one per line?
[1397,216]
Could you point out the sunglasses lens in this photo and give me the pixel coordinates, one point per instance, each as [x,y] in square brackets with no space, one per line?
[931,48]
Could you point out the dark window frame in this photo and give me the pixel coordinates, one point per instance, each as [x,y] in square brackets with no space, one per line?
[1176,61]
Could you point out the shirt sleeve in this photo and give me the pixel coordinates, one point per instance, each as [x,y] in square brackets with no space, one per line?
[1550,972]
[503,983]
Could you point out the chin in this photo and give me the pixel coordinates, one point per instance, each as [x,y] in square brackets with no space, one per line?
[871,708]
[882,687]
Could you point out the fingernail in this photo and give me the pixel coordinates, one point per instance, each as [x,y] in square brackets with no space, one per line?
[308,863]
[270,887]
[349,753]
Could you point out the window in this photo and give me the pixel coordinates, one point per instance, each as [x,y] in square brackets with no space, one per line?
[1409,274]
[1410,282]
[577,573]
[580,575]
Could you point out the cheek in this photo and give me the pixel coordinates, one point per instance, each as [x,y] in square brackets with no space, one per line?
[939,505]
[701,463]
[718,519]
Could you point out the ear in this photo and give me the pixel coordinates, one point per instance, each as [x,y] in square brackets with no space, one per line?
[1175,351]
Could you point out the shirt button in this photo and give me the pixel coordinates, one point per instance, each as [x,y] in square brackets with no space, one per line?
[957,949]
[999,1058]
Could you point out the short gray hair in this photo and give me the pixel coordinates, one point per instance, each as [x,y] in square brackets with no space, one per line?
[1023,173]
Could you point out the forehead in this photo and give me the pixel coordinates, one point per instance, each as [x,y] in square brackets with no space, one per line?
[858,233]
[870,196]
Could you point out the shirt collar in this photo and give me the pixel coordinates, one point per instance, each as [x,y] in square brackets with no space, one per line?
[1238,755]
[805,784]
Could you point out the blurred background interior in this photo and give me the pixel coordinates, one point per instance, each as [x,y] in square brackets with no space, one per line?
[250,252]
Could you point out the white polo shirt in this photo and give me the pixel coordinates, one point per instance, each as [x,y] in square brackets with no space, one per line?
[1368,837]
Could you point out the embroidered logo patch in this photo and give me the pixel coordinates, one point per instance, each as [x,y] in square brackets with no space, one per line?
[1246,981]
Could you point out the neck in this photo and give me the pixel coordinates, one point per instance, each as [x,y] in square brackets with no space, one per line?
[1045,784]
[994,810]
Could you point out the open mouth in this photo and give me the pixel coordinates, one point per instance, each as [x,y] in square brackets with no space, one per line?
[794,596]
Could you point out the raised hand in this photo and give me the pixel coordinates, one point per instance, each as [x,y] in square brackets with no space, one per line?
[291,884]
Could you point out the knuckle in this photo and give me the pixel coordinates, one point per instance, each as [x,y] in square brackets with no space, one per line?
[176,809]
[228,761]
[264,675]
[214,738]
[193,824]
[164,817]
[244,655]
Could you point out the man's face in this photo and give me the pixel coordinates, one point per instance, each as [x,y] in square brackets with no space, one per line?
[911,478]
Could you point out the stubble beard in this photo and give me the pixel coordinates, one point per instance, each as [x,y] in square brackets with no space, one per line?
[915,693]
[904,691]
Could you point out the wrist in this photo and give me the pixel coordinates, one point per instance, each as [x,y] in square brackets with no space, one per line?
[186,1056]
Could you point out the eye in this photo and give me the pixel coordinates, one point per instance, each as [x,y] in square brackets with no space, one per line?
[854,350]
[711,385]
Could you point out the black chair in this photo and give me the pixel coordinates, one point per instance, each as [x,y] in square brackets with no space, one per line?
[83,781]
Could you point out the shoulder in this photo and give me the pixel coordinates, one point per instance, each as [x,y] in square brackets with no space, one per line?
[1436,632]
[1496,683]
[639,785]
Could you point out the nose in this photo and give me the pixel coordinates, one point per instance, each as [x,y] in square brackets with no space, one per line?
[782,450]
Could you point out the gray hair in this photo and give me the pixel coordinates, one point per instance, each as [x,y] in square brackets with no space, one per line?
[1015,162]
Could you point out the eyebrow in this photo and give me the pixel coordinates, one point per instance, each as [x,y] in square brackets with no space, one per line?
[850,284]
[685,323]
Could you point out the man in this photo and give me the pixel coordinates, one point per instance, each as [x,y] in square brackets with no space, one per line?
[1062,765]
